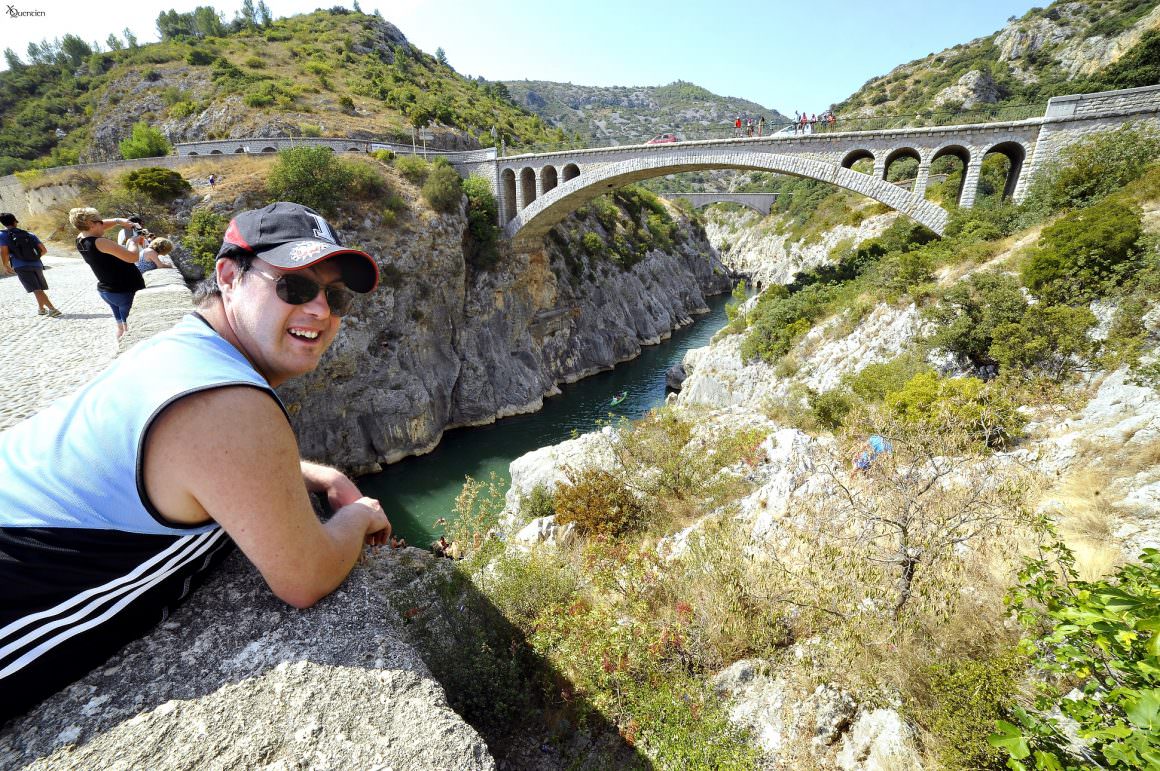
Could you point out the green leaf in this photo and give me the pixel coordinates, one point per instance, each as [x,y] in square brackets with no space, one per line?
[1144,712]
[1007,737]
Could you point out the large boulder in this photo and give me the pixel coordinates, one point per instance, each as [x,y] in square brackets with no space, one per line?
[237,679]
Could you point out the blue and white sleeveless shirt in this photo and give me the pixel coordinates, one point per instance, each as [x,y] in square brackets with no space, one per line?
[87,563]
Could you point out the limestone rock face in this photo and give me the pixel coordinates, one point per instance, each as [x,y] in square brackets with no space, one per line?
[439,346]
[972,89]
[767,257]
[237,679]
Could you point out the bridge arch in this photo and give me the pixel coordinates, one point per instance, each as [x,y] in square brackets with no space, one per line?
[527,186]
[571,171]
[854,156]
[548,178]
[960,152]
[536,219]
[239,150]
[508,181]
[897,155]
[1016,154]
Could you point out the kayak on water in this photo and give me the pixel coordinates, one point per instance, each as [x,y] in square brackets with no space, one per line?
[618,398]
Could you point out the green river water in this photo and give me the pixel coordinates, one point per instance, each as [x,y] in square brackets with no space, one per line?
[417,491]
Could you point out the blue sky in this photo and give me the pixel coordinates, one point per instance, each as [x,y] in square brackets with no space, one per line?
[799,55]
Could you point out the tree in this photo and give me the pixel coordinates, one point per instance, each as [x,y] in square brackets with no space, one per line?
[265,18]
[74,51]
[441,56]
[145,142]
[12,60]
[130,38]
[113,42]
[248,15]
[207,22]
[311,176]
[968,313]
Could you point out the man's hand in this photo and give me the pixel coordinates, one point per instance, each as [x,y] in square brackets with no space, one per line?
[378,528]
[340,490]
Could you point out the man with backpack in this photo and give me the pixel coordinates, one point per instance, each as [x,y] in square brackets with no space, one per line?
[21,250]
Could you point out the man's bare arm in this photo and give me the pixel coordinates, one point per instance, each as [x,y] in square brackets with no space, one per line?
[229,454]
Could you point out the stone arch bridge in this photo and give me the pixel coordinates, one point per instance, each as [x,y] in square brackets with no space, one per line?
[536,191]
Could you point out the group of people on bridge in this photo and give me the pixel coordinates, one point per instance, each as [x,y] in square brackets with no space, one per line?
[805,123]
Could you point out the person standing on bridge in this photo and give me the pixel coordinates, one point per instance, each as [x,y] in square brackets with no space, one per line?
[761,125]
[737,127]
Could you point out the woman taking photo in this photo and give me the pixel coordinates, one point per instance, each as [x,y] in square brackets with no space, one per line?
[118,279]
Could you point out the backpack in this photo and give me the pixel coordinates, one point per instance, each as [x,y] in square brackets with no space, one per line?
[22,245]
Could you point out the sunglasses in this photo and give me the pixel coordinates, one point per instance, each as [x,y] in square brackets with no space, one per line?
[294,289]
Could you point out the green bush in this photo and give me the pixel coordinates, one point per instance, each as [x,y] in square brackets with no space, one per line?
[599,503]
[778,322]
[537,503]
[874,381]
[203,237]
[964,699]
[1102,639]
[1086,254]
[311,176]
[831,407]
[969,311]
[482,214]
[443,189]
[413,168]
[1048,337]
[198,57]
[524,586]
[159,185]
[593,244]
[145,142]
[950,405]
[1093,168]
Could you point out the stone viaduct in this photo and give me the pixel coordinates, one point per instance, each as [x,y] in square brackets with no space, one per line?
[761,202]
[536,191]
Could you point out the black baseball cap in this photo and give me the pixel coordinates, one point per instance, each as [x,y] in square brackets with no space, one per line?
[293,237]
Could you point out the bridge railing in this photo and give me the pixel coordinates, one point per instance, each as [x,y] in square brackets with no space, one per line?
[922,119]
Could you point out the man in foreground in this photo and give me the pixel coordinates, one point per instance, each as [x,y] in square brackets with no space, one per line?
[116,500]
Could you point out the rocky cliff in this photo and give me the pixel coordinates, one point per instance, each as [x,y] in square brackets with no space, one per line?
[441,345]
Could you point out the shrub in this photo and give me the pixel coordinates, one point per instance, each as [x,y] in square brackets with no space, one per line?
[413,168]
[198,57]
[1102,640]
[524,586]
[159,185]
[593,244]
[203,237]
[145,142]
[965,697]
[949,405]
[831,407]
[537,503]
[1085,254]
[311,176]
[482,214]
[874,381]
[779,321]
[1048,337]
[599,503]
[968,313]
[443,189]
[1093,168]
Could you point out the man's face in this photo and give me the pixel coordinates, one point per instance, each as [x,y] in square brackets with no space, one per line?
[281,340]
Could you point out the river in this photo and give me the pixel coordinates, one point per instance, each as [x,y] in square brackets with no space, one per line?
[419,490]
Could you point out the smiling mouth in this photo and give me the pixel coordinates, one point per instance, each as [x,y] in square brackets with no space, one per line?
[304,334]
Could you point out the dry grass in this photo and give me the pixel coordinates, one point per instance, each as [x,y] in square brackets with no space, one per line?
[1087,521]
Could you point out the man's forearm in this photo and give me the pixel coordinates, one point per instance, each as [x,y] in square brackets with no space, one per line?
[317,476]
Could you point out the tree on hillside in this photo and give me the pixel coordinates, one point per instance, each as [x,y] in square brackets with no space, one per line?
[441,56]
[74,51]
[145,142]
[12,60]
[247,17]
[130,38]
[207,22]
[113,42]
[265,18]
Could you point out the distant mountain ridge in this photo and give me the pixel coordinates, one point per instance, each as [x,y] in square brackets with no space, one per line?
[634,113]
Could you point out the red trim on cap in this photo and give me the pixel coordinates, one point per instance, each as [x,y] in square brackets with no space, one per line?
[234,236]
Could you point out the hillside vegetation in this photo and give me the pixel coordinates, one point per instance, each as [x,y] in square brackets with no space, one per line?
[1068,47]
[332,73]
[623,114]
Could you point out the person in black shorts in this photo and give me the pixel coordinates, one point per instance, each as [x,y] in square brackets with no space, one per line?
[29,269]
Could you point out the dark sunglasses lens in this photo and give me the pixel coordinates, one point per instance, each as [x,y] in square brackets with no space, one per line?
[299,290]
[296,290]
[339,300]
